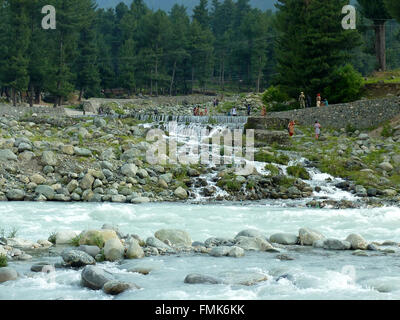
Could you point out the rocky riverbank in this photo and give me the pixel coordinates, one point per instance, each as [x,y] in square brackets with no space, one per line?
[91,251]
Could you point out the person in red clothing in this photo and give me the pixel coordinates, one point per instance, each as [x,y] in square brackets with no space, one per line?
[291,128]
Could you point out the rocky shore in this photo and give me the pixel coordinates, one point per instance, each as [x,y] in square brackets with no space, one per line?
[90,251]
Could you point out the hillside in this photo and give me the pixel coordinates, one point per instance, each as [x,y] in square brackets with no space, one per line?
[190,4]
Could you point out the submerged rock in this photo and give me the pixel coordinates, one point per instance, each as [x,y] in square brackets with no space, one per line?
[284,238]
[94,278]
[335,244]
[7,274]
[250,233]
[307,236]
[195,278]
[254,244]
[176,237]
[114,287]
[77,258]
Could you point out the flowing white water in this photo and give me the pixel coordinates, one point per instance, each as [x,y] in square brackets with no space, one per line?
[314,274]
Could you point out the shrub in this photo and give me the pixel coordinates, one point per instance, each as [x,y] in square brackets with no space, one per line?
[270,167]
[346,85]
[269,158]
[3,261]
[274,94]
[298,172]
[52,238]
[75,241]
[387,131]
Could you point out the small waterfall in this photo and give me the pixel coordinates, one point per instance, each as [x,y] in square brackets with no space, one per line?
[231,122]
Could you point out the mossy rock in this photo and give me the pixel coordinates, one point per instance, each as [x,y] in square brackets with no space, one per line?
[298,172]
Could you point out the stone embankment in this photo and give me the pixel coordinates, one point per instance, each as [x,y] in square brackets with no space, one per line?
[364,114]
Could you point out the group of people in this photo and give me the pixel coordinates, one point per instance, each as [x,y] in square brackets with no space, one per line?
[198,112]
[317,128]
[305,101]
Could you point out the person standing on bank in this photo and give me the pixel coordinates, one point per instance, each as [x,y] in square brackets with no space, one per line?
[302,100]
[317,127]
[319,100]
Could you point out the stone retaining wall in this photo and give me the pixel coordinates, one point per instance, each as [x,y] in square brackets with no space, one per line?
[21,111]
[364,114]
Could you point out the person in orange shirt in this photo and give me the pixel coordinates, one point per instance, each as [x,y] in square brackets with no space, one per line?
[291,128]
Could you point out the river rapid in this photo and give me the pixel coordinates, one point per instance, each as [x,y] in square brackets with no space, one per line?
[313,274]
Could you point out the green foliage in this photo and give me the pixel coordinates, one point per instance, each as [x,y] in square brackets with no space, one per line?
[3,261]
[298,172]
[52,237]
[347,85]
[273,169]
[75,241]
[393,8]
[274,94]
[271,158]
[13,233]
[387,131]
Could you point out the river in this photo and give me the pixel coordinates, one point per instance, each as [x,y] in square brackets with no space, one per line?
[313,274]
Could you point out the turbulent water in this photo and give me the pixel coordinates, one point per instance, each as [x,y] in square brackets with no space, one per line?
[314,274]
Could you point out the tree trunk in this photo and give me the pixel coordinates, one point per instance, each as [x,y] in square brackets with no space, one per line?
[172,79]
[14,98]
[380,44]
[192,79]
[38,98]
[31,93]
[80,95]
[259,78]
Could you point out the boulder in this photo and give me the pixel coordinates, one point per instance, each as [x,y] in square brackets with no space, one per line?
[113,250]
[134,250]
[254,244]
[215,242]
[357,242]
[220,251]
[308,236]
[195,278]
[7,274]
[158,244]
[82,152]
[236,252]
[250,233]
[139,200]
[90,250]
[386,166]
[335,244]
[115,287]
[15,195]
[94,277]
[87,182]
[176,237]
[42,267]
[65,237]
[181,193]
[7,155]
[37,178]
[45,190]
[77,258]
[97,237]
[129,170]
[284,238]
[48,158]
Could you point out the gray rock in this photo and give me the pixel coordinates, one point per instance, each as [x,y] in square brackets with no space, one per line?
[82,152]
[181,193]
[139,200]
[335,244]
[118,198]
[87,181]
[76,258]
[43,267]
[319,244]
[308,236]
[48,158]
[220,251]
[7,274]
[90,250]
[236,252]
[45,190]
[15,195]
[373,247]
[113,250]
[129,170]
[65,237]
[254,244]
[176,237]
[195,278]
[215,242]
[357,242]
[95,278]
[114,287]
[7,155]
[134,250]
[284,238]
[250,233]
[158,244]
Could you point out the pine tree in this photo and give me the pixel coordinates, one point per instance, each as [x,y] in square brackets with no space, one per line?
[200,13]
[16,69]
[393,8]
[127,65]
[312,44]
[88,77]
[376,11]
